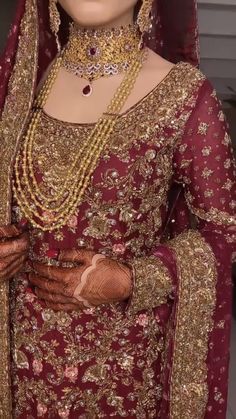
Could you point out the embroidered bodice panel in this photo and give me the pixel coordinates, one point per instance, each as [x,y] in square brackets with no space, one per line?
[124,208]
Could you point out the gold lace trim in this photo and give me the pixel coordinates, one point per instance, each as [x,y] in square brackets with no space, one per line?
[196,302]
[152,284]
[16,109]
[213,215]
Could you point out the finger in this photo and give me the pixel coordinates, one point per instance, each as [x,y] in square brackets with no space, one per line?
[9,231]
[14,268]
[64,307]
[51,272]
[17,245]
[14,271]
[54,298]
[81,255]
[18,263]
[7,261]
[52,287]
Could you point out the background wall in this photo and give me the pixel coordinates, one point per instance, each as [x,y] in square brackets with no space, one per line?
[217,20]
[6,12]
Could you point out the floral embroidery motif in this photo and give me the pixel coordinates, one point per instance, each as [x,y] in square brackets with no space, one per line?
[111,351]
[197,296]
[153,284]
[202,128]
[12,121]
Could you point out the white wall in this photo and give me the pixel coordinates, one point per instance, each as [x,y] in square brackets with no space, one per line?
[217,21]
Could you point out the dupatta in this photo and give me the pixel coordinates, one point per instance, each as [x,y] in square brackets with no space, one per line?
[30,48]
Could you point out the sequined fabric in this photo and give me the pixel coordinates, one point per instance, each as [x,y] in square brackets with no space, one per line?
[22,64]
[114,361]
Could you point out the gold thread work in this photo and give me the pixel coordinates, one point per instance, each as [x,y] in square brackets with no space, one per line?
[13,119]
[92,54]
[52,212]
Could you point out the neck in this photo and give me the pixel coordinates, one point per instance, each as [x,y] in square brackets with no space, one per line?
[123,20]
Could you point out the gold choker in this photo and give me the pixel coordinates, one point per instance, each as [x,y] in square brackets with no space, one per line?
[91,54]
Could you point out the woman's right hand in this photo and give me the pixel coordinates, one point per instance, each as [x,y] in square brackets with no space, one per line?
[14,246]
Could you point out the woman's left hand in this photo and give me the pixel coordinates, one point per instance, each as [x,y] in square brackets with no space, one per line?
[94,281]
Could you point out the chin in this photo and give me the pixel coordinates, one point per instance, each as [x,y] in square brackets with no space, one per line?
[91,20]
[95,13]
[89,13]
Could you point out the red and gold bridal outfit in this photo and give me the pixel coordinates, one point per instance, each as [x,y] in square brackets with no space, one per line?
[113,361]
[165,353]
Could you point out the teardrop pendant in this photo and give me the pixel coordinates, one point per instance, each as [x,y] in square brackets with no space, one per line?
[87,90]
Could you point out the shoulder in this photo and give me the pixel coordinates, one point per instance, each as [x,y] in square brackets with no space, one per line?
[183,79]
[186,93]
[182,70]
[181,86]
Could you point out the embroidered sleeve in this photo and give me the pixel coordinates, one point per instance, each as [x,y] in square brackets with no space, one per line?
[152,285]
[198,259]
[204,166]
[204,162]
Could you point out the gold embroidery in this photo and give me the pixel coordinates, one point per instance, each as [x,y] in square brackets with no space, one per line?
[99,346]
[153,150]
[112,199]
[206,173]
[203,128]
[212,215]
[206,151]
[196,302]
[152,284]
[120,216]
[13,119]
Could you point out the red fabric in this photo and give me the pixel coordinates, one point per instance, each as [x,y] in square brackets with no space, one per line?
[174,35]
[195,144]
[8,58]
[221,238]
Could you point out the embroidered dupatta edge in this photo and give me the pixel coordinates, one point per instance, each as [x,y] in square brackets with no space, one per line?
[15,113]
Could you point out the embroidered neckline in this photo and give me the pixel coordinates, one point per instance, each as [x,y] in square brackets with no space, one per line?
[156,89]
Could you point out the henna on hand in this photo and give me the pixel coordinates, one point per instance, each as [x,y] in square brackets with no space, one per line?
[14,245]
[95,280]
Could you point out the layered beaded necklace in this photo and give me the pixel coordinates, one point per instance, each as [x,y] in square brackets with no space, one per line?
[91,54]
[51,210]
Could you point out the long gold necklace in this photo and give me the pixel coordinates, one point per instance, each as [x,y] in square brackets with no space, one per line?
[50,212]
[95,53]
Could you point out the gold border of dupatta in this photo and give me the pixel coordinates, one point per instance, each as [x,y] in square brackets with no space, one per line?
[197,275]
[16,110]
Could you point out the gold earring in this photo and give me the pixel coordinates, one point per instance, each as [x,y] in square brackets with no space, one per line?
[143,19]
[55,21]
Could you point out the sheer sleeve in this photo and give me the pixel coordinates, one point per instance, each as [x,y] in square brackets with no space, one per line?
[204,166]
[193,267]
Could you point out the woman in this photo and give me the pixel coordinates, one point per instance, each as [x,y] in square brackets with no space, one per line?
[117,212]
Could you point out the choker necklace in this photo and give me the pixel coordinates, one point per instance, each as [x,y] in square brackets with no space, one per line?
[94,53]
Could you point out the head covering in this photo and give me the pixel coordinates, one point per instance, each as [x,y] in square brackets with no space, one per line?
[174,35]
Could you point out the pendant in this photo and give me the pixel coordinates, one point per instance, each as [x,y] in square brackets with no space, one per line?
[87,90]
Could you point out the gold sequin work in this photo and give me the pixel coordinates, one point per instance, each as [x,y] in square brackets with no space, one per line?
[110,361]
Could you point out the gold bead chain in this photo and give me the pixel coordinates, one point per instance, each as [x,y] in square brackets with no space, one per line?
[31,200]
